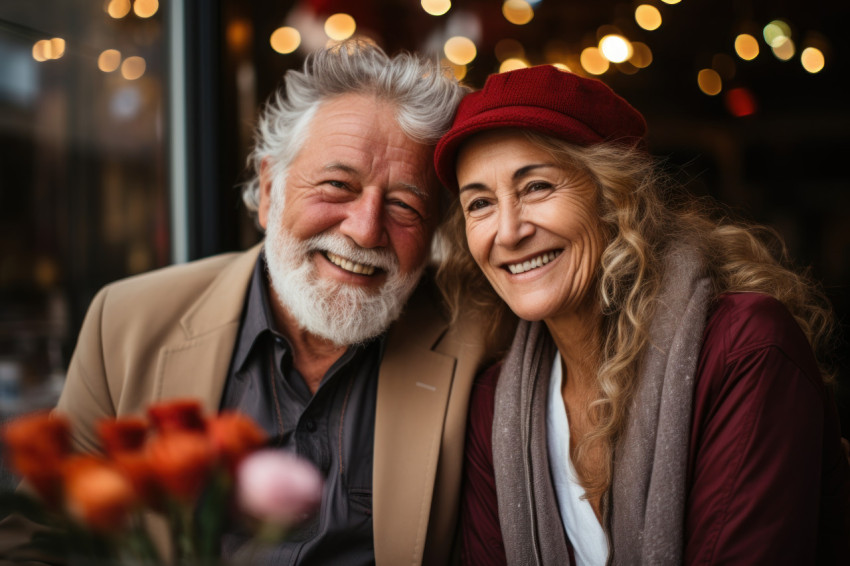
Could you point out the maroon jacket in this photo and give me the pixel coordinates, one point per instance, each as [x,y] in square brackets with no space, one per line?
[768,481]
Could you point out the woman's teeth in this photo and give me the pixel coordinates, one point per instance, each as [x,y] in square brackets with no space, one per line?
[349,265]
[539,261]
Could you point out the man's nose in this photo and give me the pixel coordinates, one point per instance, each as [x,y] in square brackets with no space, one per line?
[513,227]
[364,222]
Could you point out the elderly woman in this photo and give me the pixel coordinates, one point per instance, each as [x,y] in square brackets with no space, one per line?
[660,402]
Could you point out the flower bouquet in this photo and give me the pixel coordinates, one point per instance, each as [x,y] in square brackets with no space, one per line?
[196,472]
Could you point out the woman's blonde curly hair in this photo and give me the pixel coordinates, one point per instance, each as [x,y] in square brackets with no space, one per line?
[641,215]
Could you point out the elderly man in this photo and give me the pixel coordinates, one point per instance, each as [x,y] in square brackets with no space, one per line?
[325,335]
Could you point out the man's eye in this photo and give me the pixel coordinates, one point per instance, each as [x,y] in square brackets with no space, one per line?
[404,207]
[337,184]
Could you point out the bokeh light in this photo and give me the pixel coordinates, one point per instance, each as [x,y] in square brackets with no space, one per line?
[671,1]
[812,59]
[133,68]
[740,102]
[724,65]
[285,39]
[512,64]
[145,8]
[460,50]
[648,17]
[709,82]
[109,60]
[57,48]
[747,47]
[40,50]
[340,26]
[507,48]
[117,9]
[775,32]
[436,7]
[47,49]
[784,49]
[593,61]
[615,48]
[517,12]
[641,56]
[457,71]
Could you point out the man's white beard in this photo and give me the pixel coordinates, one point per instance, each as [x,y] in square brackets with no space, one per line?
[341,313]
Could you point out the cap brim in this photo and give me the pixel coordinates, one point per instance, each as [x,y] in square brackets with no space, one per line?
[534,118]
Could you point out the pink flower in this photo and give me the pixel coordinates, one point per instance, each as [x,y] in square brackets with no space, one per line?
[278,487]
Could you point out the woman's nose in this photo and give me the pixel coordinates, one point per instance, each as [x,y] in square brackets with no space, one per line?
[513,227]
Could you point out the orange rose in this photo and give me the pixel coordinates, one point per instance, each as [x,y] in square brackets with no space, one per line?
[233,437]
[96,493]
[122,435]
[36,447]
[181,462]
[180,414]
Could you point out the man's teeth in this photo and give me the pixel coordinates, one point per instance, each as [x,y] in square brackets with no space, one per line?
[539,261]
[349,265]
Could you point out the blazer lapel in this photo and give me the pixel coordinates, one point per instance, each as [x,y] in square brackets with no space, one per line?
[413,389]
[197,366]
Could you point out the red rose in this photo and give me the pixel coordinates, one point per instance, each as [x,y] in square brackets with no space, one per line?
[122,435]
[181,462]
[36,447]
[97,493]
[180,414]
[233,437]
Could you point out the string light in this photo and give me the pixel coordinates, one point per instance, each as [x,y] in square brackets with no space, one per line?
[133,68]
[709,82]
[747,47]
[145,8]
[784,50]
[436,7]
[109,60]
[518,12]
[641,56]
[593,61]
[285,39]
[812,59]
[48,49]
[340,26]
[776,32]
[117,9]
[648,17]
[512,64]
[615,48]
[460,50]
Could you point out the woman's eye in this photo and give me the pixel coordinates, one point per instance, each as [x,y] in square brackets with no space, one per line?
[538,186]
[476,204]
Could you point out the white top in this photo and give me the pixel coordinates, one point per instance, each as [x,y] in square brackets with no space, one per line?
[580,522]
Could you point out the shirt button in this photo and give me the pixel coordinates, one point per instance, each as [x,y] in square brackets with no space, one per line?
[310,425]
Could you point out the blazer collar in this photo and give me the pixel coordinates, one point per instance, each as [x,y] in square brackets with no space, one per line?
[413,391]
[196,367]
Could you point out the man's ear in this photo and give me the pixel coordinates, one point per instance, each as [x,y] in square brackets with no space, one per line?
[265,194]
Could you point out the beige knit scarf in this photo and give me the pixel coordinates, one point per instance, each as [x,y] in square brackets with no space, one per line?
[644,508]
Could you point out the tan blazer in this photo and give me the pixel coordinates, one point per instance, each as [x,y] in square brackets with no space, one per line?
[171,333]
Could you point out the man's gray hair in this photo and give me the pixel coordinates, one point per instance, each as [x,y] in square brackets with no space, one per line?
[424,94]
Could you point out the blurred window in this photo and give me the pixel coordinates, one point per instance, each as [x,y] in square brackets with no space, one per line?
[83,173]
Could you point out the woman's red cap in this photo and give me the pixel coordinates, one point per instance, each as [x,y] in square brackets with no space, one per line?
[544,99]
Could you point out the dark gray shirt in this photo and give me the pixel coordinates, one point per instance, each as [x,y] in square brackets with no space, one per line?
[334,429]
